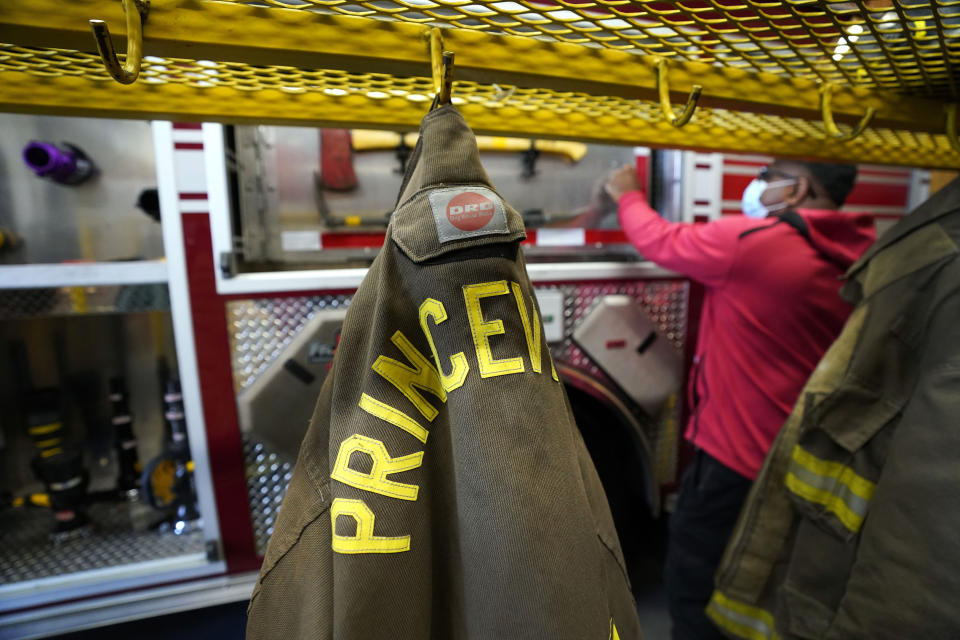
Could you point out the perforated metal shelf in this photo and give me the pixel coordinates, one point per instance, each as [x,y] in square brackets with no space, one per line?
[908,45]
[550,68]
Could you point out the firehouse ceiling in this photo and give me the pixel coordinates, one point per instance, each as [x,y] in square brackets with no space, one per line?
[870,81]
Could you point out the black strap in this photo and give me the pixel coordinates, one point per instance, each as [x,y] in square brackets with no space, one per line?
[796,221]
[755,229]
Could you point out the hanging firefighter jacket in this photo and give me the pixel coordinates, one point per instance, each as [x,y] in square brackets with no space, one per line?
[851,529]
[442,489]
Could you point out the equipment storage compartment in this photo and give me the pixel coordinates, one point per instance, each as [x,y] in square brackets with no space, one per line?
[77,189]
[96,474]
[309,197]
[302,210]
[98,491]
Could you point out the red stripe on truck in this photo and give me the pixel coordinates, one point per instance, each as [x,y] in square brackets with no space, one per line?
[865,194]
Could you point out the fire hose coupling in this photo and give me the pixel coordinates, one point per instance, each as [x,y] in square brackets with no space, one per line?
[66,481]
[64,163]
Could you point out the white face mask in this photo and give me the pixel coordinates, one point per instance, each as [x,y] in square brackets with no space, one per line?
[752,207]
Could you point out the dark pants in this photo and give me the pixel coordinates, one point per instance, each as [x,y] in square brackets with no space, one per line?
[711,496]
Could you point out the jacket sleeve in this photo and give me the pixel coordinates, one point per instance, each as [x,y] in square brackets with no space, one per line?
[910,535]
[704,252]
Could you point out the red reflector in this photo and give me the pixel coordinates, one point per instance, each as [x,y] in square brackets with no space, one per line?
[616,344]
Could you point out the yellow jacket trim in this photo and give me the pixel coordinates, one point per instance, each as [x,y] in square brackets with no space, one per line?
[44,429]
[857,484]
[40,499]
[741,620]
[835,486]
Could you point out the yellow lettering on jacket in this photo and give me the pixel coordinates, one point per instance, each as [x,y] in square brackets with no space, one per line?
[363,541]
[614,634]
[382,465]
[394,416]
[422,375]
[458,374]
[483,329]
[531,328]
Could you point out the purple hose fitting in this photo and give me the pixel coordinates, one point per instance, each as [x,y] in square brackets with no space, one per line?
[65,164]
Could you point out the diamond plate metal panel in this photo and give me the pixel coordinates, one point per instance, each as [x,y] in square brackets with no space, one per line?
[664,301]
[28,553]
[268,474]
[67,301]
[260,329]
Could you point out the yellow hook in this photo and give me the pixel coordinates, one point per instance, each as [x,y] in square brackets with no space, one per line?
[952,126]
[664,86]
[441,63]
[136,12]
[826,109]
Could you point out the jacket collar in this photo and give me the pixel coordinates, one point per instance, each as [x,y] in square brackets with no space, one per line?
[912,244]
[945,201]
[445,165]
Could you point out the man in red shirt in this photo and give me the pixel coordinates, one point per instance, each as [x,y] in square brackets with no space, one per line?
[771,310]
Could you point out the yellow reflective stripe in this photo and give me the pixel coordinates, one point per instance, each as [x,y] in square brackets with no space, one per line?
[52,442]
[832,503]
[835,486]
[857,484]
[741,620]
[40,499]
[44,429]
[46,453]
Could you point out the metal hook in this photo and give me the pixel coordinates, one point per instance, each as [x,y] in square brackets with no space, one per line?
[952,126]
[664,86]
[499,95]
[136,12]
[826,109]
[441,63]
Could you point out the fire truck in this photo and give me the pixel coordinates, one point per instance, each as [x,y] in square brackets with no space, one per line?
[181,234]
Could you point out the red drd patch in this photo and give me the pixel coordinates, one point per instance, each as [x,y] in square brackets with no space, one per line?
[470,211]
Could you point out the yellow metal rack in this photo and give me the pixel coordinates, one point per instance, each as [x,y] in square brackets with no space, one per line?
[870,81]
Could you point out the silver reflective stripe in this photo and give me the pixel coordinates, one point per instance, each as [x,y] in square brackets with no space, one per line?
[69,484]
[834,485]
[741,624]
[824,483]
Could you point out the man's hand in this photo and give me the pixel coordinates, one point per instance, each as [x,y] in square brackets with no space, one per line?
[622,181]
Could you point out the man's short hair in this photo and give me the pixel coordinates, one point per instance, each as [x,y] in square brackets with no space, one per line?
[836,179]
